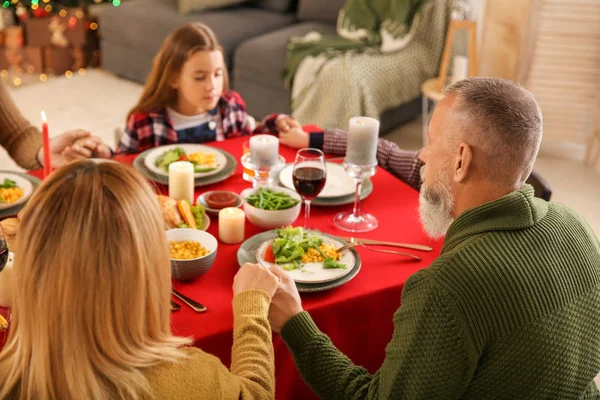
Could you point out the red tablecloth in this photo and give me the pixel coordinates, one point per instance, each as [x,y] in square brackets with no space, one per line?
[357,316]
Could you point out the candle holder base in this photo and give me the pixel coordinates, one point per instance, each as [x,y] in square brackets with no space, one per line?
[350,222]
[263,176]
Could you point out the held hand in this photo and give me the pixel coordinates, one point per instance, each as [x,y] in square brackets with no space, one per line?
[287,123]
[85,148]
[255,277]
[286,303]
[63,153]
[295,138]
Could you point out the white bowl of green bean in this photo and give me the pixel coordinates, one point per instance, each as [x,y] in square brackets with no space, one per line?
[271,208]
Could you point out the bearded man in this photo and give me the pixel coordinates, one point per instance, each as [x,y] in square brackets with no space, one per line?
[511,308]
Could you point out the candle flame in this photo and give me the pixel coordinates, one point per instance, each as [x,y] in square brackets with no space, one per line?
[44,119]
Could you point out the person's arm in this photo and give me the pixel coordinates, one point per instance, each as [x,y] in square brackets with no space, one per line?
[130,142]
[21,140]
[429,356]
[405,164]
[252,357]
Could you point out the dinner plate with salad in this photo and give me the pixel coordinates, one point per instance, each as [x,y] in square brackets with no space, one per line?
[207,161]
[309,256]
[14,190]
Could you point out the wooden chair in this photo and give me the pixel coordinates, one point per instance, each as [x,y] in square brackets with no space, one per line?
[433,89]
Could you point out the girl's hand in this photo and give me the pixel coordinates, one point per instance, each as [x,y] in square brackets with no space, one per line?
[295,138]
[287,123]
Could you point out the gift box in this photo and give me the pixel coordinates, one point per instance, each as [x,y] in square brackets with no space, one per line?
[27,59]
[58,60]
[56,31]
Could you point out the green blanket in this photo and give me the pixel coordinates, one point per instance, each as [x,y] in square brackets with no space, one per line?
[363,25]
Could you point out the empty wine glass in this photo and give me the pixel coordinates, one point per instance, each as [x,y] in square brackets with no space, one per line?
[310,174]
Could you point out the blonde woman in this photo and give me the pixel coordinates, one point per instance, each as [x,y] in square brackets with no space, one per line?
[91,303]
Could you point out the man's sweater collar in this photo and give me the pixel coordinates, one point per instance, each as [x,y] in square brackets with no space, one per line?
[516,210]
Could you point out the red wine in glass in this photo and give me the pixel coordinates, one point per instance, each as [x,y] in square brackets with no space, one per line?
[309,176]
[309,181]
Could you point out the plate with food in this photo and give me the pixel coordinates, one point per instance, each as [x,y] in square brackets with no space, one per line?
[182,214]
[207,161]
[14,190]
[309,256]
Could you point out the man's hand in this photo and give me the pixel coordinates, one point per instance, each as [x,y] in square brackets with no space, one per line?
[255,277]
[286,302]
[73,145]
[287,123]
[295,138]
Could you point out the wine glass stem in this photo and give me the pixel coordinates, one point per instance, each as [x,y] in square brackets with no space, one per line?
[306,212]
[357,197]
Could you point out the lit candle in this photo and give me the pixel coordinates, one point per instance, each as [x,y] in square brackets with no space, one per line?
[363,135]
[46,146]
[264,150]
[232,222]
[181,181]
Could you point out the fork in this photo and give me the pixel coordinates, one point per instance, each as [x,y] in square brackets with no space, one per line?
[354,243]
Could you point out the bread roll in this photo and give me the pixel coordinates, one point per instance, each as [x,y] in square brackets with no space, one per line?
[171,214]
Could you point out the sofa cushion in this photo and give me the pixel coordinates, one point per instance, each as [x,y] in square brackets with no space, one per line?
[320,10]
[258,63]
[187,6]
[276,5]
[144,24]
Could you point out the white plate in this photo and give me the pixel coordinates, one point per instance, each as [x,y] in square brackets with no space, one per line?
[338,182]
[314,272]
[22,183]
[150,159]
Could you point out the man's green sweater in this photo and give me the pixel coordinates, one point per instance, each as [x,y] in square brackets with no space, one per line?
[510,310]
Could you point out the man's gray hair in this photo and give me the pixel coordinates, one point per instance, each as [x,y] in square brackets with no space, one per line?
[502,122]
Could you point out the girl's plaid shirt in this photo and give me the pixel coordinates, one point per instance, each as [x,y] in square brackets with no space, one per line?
[150,129]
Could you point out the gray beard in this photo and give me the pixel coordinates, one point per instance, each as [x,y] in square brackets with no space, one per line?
[435,208]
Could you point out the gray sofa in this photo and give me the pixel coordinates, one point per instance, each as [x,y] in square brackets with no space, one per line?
[254,37]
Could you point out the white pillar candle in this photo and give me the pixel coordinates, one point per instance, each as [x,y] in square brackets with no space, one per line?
[181,181]
[363,135]
[264,150]
[460,68]
[232,222]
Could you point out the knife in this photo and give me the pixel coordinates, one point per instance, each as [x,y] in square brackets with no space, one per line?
[391,244]
[194,305]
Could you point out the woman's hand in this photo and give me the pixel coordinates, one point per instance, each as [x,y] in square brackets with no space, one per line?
[255,277]
[295,138]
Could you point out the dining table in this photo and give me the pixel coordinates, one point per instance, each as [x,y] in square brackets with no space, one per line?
[357,316]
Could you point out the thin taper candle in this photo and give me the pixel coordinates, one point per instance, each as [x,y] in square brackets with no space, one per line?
[46,146]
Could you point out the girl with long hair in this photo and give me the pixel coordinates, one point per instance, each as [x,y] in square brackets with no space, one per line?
[187,98]
[90,312]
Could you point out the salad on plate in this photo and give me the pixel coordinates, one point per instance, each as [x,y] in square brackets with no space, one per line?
[293,248]
[203,161]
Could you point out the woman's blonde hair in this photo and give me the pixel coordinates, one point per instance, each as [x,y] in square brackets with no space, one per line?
[177,48]
[92,289]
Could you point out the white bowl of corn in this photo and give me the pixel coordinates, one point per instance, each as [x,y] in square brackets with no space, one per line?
[192,252]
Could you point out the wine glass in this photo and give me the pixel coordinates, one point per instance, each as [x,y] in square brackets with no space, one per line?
[309,176]
[3,249]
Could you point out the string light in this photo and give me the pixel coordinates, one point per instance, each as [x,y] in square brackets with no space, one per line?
[43,77]
[69,74]
[93,26]
[81,71]
[4,73]
[63,13]
[17,81]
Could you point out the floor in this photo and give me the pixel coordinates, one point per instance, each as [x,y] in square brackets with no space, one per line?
[99,102]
